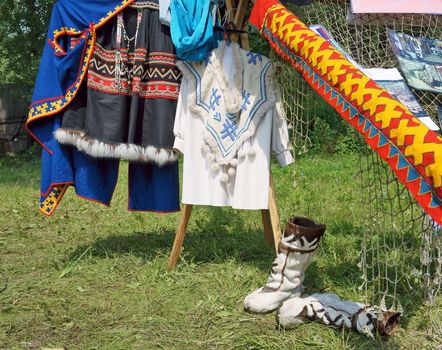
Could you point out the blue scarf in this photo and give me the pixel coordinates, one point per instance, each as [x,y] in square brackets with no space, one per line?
[192,29]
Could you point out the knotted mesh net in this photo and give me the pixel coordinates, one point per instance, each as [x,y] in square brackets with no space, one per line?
[401,250]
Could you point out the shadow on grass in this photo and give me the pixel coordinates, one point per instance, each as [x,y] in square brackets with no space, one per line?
[211,239]
[215,236]
[198,247]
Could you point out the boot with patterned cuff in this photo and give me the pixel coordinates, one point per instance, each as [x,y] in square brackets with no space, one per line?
[295,253]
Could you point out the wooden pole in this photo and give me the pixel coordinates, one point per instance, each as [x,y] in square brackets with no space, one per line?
[180,234]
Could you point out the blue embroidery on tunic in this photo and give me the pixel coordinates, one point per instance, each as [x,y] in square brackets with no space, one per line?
[224,146]
[229,129]
[232,130]
[232,117]
[245,100]
[214,99]
[253,57]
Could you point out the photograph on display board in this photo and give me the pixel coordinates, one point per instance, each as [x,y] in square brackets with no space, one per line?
[397,6]
[392,80]
[420,60]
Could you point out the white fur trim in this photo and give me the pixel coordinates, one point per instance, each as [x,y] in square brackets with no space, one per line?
[100,149]
[227,66]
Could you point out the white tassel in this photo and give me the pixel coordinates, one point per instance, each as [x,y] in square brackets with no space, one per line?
[231,171]
[224,178]
[206,149]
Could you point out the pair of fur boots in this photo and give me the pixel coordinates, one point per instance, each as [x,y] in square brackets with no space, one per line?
[284,289]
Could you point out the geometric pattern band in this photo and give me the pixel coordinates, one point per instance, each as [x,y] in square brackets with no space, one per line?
[49,202]
[146,74]
[413,152]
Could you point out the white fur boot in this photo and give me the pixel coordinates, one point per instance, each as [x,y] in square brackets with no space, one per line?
[295,253]
[329,309]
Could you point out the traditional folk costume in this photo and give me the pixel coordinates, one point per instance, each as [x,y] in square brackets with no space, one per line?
[229,120]
[107,90]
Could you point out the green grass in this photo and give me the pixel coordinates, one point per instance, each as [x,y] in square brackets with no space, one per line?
[92,277]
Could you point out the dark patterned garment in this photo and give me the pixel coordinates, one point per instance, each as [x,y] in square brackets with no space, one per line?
[127,105]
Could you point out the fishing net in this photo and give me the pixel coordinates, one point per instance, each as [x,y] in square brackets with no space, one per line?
[401,246]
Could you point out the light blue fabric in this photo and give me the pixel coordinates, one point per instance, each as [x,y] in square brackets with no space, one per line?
[165,12]
[192,29]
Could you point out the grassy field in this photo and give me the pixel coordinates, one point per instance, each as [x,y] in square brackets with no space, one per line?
[92,277]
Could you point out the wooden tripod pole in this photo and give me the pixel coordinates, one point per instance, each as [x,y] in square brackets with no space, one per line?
[270,217]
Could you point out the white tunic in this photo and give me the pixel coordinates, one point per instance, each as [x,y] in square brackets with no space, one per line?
[247,186]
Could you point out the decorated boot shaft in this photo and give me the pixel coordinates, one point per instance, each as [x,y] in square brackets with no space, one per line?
[295,252]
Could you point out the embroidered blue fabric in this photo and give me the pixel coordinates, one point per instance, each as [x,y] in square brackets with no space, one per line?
[152,188]
[192,29]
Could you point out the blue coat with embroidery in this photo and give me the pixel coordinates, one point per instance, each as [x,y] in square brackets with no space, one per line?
[63,66]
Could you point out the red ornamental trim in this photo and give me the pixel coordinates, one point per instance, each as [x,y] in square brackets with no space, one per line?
[364,105]
[151,89]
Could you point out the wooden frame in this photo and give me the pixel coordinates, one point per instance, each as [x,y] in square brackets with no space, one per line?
[270,217]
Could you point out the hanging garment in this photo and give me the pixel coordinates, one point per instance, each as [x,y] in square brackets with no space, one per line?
[132,87]
[229,120]
[191,26]
[62,97]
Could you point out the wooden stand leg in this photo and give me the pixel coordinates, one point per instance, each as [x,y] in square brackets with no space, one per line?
[180,234]
[270,219]
[267,225]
